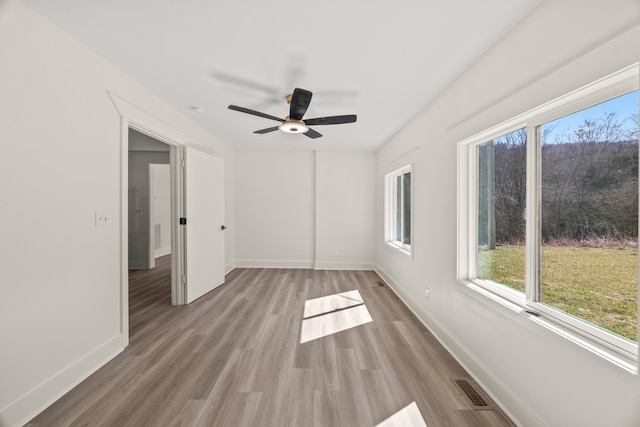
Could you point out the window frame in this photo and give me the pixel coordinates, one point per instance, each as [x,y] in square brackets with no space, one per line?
[605,343]
[391,203]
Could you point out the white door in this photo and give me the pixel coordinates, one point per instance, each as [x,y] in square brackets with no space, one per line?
[204,229]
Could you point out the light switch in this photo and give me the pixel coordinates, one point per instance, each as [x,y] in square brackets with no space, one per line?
[102,219]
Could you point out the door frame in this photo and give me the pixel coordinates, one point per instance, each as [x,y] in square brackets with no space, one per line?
[133,117]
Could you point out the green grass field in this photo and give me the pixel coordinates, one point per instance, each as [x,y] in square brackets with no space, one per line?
[594,284]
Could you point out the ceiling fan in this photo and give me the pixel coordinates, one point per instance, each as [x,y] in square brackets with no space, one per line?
[298,103]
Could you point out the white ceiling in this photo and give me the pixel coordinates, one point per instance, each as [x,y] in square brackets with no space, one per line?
[381,60]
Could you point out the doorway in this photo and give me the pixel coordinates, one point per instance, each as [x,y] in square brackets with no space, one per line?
[151,162]
[148,157]
[192,275]
[149,227]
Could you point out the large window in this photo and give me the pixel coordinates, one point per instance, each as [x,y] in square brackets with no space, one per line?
[548,213]
[398,208]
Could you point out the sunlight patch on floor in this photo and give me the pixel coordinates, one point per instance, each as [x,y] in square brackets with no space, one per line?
[322,305]
[409,416]
[331,314]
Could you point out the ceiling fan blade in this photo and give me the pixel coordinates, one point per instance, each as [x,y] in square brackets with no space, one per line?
[246,83]
[254,112]
[332,120]
[267,130]
[300,101]
[312,134]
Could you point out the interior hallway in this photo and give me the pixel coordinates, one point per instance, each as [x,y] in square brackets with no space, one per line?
[234,358]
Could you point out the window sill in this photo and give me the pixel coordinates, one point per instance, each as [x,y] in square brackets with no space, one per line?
[397,248]
[619,357]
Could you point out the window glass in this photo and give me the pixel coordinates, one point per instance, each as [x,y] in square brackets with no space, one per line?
[500,249]
[406,208]
[589,214]
[398,195]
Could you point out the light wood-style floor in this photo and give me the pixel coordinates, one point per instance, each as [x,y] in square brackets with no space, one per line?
[234,358]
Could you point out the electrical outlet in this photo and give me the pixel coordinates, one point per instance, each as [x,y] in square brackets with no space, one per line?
[338,252]
[102,219]
[427,293]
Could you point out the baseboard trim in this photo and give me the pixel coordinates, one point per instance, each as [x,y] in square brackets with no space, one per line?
[331,265]
[38,399]
[514,407]
[162,252]
[229,267]
[255,263]
[318,265]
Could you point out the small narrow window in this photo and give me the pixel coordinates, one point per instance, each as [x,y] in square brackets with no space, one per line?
[398,216]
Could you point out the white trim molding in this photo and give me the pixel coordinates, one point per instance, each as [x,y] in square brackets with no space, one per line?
[332,265]
[264,263]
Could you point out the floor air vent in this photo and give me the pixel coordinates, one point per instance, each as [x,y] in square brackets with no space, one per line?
[471,393]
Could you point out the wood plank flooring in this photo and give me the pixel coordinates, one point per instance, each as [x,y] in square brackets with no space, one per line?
[234,358]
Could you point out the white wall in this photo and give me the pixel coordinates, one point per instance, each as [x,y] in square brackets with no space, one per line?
[296,208]
[61,141]
[345,210]
[275,205]
[539,377]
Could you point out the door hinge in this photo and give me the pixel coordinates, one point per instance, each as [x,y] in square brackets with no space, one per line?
[183,221]
[184,279]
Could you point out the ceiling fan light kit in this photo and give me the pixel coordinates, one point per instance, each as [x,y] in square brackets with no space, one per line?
[298,103]
[293,126]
